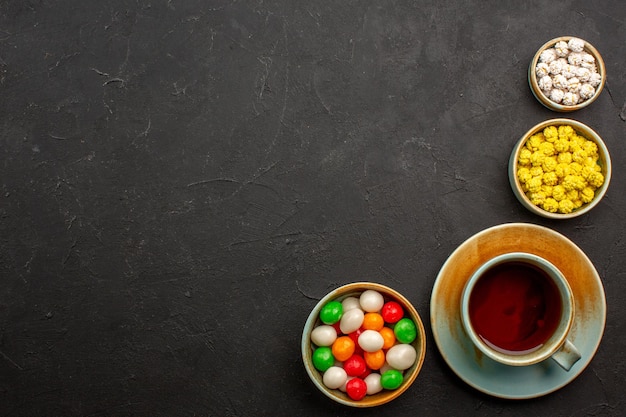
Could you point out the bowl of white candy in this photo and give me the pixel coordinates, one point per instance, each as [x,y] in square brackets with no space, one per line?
[566,74]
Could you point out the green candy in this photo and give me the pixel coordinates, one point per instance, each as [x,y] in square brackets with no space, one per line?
[405,330]
[391,379]
[331,312]
[323,358]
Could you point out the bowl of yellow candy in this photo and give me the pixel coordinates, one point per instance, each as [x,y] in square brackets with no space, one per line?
[560,169]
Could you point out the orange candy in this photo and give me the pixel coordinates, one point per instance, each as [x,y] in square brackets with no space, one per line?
[373,321]
[343,348]
[374,360]
[388,336]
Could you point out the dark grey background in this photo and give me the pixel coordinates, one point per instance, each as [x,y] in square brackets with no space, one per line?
[182,180]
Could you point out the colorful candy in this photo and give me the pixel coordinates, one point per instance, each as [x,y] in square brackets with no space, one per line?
[401,356]
[343,348]
[391,379]
[355,365]
[355,338]
[323,358]
[351,320]
[363,347]
[375,360]
[385,368]
[371,301]
[323,335]
[373,321]
[405,330]
[331,312]
[335,377]
[392,312]
[371,341]
[349,303]
[343,387]
[356,389]
[373,383]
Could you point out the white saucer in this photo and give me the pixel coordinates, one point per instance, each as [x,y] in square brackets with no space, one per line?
[468,362]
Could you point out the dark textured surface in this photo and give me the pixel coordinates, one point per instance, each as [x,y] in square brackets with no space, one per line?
[181,180]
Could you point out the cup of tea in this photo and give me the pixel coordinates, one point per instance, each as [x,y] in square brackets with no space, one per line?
[517,309]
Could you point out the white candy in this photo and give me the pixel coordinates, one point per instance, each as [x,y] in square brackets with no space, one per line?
[576,45]
[372,382]
[560,82]
[334,377]
[401,356]
[588,58]
[595,79]
[570,99]
[349,303]
[568,70]
[575,58]
[590,66]
[573,85]
[542,69]
[547,56]
[371,301]
[586,91]
[385,367]
[343,387]
[556,67]
[545,83]
[589,62]
[556,95]
[561,49]
[583,74]
[324,335]
[351,320]
[371,341]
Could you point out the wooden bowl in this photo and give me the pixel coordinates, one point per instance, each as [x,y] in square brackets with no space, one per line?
[355,290]
[541,96]
[604,161]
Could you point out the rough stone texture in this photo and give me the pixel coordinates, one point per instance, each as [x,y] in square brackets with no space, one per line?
[182,180]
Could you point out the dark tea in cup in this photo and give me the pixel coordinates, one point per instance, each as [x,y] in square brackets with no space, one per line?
[515,307]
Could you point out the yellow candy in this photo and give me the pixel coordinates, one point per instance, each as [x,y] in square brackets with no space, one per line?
[559,170]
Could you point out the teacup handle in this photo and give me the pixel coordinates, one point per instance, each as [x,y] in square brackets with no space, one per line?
[567,355]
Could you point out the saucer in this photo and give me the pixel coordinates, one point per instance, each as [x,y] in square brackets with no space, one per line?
[466,360]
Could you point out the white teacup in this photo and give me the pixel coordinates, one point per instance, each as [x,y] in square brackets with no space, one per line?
[517,309]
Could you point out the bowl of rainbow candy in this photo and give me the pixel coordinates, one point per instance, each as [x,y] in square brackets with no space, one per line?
[363,344]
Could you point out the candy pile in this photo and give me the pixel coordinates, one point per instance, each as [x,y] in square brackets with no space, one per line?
[567,74]
[364,345]
[559,169]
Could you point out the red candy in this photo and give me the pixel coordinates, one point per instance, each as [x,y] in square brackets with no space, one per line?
[392,312]
[355,338]
[356,389]
[355,335]
[355,365]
